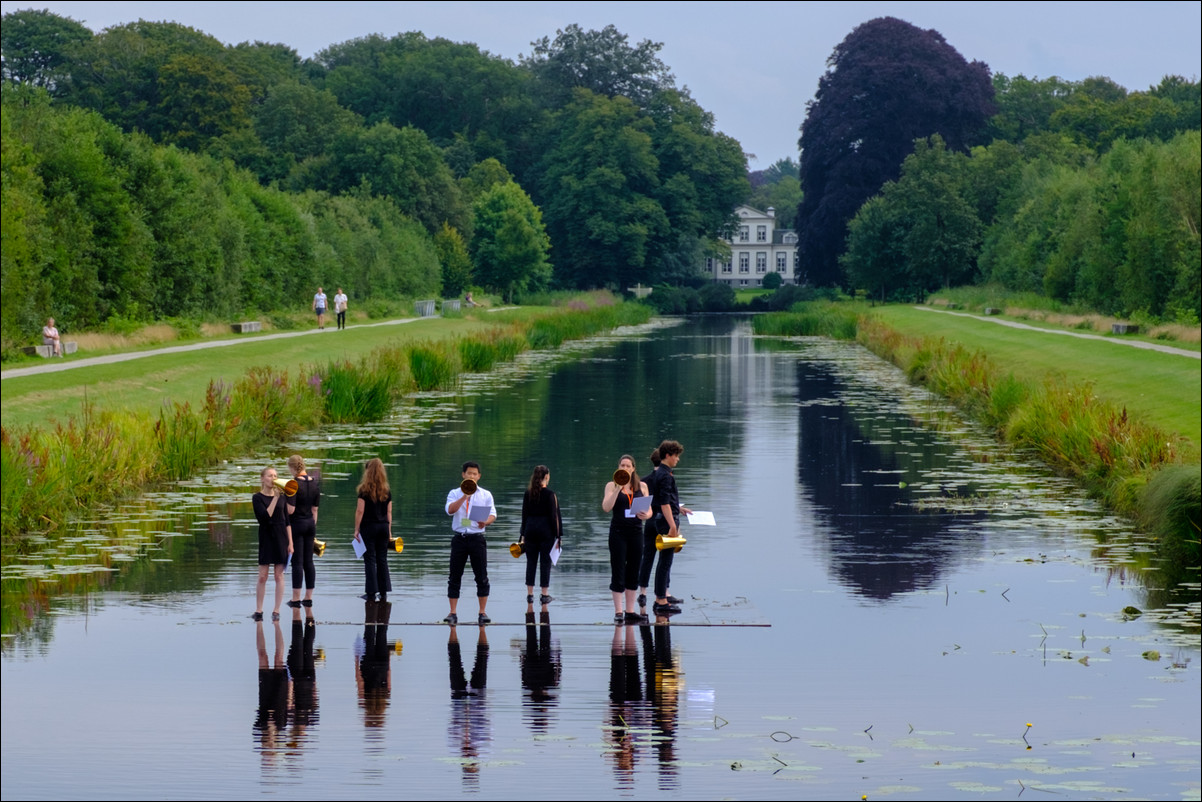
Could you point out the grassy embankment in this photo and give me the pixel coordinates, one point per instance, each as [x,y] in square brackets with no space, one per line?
[123,426]
[1123,421]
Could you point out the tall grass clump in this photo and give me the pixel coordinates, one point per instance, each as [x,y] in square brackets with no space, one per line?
[432,366]
[837,321]
[479,352]
[1170,509]
[271,408]
[355,393]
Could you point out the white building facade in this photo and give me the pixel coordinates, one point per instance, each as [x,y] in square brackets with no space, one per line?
[758,248]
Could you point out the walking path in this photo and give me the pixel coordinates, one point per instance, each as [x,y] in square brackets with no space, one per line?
[1164,349]
[56,365]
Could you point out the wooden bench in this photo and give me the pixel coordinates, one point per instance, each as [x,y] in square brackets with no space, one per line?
[450,305]
[425,308]
[246,327]
[1124,328]
[69,347]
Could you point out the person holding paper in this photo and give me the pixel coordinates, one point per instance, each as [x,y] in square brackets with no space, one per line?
[542,528]
[470,514]
[373,528]
[666,504]
[631,505]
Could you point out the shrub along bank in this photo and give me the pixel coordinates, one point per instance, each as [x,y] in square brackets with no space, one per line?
[50,475]
[1132,467]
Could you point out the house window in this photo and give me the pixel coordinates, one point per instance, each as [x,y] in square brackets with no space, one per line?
[727,267]
[744,234]
[761,262]
[744,263]
[782,262]
[761,233]
[743,282]
[709,265]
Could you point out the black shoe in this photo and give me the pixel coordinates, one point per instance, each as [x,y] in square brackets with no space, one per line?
[383,597]
[674,600]
[545,599]
[483,619]
[529,598]
[451,619]
[307,602]
[634,618]
[294,603]
[642,600]
[619,618]
[368,597]
[257,617]
[275,616]
[665,609]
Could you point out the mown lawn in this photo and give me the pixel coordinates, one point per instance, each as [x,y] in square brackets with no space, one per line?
[1162,389]
[149,382]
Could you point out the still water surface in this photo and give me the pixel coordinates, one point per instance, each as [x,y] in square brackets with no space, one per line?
[888,606]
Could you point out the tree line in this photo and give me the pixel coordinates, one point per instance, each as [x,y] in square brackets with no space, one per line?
[922,170]
[582,165]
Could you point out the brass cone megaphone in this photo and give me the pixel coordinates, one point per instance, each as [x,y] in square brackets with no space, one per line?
[397,544]
[517,549]
[664,542]
[468,486]
[621,477]
[287,486]
[319,547]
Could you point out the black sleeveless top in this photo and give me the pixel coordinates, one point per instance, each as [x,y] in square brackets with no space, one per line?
[622,504]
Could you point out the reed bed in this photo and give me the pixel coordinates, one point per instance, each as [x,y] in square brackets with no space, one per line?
[50,475]
[837,321]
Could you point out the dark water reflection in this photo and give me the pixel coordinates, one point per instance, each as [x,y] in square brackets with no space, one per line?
[928,597]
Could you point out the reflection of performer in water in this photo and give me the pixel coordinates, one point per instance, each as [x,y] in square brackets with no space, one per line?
[373,668]
[664,682]
[625,695]
[469,729]
[272,715]
[541,668]
[303,670]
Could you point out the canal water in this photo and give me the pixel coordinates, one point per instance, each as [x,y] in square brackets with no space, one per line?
[889,606]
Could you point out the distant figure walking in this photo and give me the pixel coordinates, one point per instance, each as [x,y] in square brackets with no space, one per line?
[319,306]
[340,302]
[50,337]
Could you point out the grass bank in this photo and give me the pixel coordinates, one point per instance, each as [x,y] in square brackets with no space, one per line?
[1123,422]
[119,442]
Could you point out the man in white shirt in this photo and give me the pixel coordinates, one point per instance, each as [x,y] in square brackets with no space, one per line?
[468,541]
[319,306]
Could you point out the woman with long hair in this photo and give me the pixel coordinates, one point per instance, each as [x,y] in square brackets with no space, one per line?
[275,540]
[373,528]
[302,514]
[542,528]
[625,538]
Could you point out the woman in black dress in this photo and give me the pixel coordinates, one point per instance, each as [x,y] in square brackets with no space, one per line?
[373,528]
[625,539]
[275,540]
[542,528]
[302,514]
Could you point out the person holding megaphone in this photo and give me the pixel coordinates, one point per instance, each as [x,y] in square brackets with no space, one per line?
[275,539]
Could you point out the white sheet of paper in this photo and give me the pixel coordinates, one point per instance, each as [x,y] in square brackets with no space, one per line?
[556,550]
[640,504]
[359,546]
[480,513]
[700,518]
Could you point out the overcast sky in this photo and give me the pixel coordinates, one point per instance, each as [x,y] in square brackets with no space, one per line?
[754,65]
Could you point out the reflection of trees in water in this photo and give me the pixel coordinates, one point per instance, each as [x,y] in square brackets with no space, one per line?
[879,544]
[469,730]
[541,667]
[643,714]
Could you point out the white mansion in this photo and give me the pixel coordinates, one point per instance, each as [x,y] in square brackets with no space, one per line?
[758,248]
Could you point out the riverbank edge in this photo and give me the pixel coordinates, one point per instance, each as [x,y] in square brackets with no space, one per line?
[1133,469]
[51,475]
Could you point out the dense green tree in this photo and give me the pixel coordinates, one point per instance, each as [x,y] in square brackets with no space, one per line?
[887,84]
[36,47]
[602,62]
[482,177]
[510,244]
[298,126]
[455,260]
[201,100]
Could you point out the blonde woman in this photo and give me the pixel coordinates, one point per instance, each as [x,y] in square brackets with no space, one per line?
[302,515]
[275,540]
[373,528]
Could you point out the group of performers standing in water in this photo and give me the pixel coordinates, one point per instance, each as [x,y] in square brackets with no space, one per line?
[287,512]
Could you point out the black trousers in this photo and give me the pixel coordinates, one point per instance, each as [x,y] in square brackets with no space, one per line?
[538,554]
[304,532]
[375,559]
[463,548]
[342,319]
[625,557]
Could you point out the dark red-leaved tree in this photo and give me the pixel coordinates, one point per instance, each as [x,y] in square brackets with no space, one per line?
[887,84]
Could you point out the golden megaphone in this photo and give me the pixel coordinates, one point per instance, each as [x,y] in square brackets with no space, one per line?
[517,549]
[621,477]
[664,542]
[319,547]
[397,544]
[468,486]
[287,486]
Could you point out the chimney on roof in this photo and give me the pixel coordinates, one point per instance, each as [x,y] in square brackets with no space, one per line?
[771,212]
